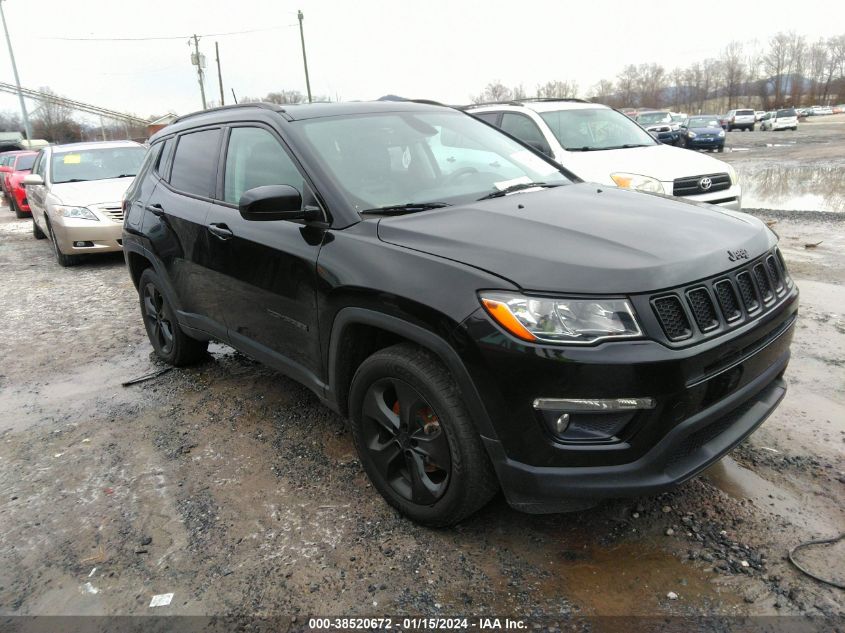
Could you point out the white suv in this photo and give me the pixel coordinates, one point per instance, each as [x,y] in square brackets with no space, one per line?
[604,146]
[786,119]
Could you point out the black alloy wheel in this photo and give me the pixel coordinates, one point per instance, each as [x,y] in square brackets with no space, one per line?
[403,435]
[158,318]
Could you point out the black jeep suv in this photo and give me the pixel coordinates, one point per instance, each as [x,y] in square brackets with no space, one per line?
[483,318]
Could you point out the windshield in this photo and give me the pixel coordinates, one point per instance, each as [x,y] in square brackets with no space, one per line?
[96,164]
[677,118]
[595,129]
[785,113]
[702,121]
[382,160]
[25,162]
[654,117]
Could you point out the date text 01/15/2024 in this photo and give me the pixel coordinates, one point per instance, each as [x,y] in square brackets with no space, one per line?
[415,624]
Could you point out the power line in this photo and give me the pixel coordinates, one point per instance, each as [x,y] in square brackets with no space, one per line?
[163,37]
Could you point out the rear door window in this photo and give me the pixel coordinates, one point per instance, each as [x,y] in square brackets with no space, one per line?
[194,168]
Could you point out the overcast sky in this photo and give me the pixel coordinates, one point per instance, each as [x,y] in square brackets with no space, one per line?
[362,49]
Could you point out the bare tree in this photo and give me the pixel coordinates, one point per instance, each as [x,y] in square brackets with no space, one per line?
[733,71]
[651,85]
[518,92]
[776,63]
[54,122]
[835,63]
[558,90]
[626,85]
[604,92]
[816,64]
[495,91]
[10,122]
[797,60]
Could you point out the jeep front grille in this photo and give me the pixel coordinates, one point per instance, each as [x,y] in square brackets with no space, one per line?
[703,309]
[727,300]
[672,317]
[710,307]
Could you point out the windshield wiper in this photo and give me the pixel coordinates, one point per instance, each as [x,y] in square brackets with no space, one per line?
[517,187]
[61,182]
[126,176]
[587,148]
[410,207]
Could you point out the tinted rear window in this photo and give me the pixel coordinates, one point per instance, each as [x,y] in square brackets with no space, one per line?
[782,113]
[195,163]
[744,112]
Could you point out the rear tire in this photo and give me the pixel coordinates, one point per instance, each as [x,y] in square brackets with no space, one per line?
[14,205]
[415,438]
[169,342]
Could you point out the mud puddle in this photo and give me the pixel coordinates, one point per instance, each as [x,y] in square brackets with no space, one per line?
[788,187]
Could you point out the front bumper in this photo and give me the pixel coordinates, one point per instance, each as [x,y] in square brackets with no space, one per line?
[708,143]
[709,397]
[104,236]
[668,138]
[730,198]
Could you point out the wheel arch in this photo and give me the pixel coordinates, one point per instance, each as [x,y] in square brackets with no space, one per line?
[349,346]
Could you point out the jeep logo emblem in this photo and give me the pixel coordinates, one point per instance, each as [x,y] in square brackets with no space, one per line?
[738,254]
[705,183]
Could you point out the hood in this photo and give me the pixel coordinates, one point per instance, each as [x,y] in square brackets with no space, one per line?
[582,239]
[81,194]
[664,162]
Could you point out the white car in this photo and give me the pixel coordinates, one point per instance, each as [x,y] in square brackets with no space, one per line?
[741,120]
[75,192]
[786,119]
[602,145]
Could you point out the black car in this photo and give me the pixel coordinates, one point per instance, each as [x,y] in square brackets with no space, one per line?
[483,318]
[703,131]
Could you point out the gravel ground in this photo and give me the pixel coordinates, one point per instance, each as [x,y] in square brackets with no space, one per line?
[231,487]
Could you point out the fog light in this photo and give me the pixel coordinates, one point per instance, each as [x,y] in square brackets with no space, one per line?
[83,244]
[561,424]
[589,421]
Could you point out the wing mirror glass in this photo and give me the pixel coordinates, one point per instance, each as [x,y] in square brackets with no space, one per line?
[272,202]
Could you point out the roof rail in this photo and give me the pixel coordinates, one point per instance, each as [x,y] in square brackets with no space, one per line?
[574,99]
[522,102]
[275,107]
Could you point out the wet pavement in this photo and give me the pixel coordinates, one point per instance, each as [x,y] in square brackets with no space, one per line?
[230,486]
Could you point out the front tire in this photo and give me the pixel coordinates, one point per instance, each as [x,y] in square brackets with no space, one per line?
[169,342]
[65,261]
[415,437]
[37,233]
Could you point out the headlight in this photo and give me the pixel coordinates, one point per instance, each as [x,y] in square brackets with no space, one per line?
[77,213]
[734,176]
[721,133]
[635,181]
[691,134]
[543,319]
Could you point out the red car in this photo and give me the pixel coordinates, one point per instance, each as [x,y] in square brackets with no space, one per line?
[17,168]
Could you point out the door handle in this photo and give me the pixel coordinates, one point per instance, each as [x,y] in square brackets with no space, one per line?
[156,209]
[220,231]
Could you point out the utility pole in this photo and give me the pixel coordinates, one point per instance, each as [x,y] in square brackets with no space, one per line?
[304,58]
[197,59]
[27,128]
[219,73]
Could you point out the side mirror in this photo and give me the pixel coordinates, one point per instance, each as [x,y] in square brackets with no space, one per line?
[654,136]
[271,202]
[33,179]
